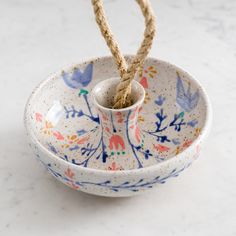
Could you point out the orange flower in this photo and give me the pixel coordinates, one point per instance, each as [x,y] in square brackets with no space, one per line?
[161,148]
[82,140]
[187,143]
[197,132]
[147,98]
[140,118]
[47,127]
[69,173]
[149,71]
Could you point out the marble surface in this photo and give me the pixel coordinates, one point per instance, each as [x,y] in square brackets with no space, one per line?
[38,38]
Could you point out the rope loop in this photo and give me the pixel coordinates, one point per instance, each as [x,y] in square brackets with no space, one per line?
[127,72]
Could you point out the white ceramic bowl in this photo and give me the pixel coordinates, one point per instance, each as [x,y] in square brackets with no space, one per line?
[138,148]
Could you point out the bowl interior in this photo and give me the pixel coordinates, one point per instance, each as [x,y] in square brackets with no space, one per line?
[60,115]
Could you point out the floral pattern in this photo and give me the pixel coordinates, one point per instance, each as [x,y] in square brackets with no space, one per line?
[118,134]
[125,147]
[70,179]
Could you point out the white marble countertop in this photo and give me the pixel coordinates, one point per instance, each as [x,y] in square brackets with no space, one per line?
[38,38]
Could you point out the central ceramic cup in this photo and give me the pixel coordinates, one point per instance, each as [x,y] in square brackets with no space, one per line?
[119,127]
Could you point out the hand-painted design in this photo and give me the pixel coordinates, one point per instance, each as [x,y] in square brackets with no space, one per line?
[150,71]
[83,92]
[71,142]
[148,154]
[117,153]
[67,177]
[134,148]
[192,123]
[197,132]
[161,117]
[175,141]
[83,126]
[90,151]
[78,79]
[52,148]
[160,100]
[137,134]
[184,98]
[119,118]
[147,98]
[38,117]
[112,141]
[76,147]
[187,143]
[91,116]
[137,149]
[69,173]
[81,132]
[133,114]
[75,139]
[115,137]
[144,82]
[58,135]
[140,118]
[144,73]
[183,146]
[115,142]
[161,148]
[70,179]
[47,129]
[178,121]
[159,128]
[72,112]
[114,167]
[137,186]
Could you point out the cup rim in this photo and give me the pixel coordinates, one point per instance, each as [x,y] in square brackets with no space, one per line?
[139,102]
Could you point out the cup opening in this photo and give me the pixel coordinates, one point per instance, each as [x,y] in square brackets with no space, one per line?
[104,92]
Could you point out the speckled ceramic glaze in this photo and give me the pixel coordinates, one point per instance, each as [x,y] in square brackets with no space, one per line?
[99,150]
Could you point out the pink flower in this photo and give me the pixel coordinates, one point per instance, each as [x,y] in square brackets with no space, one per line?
[38,117]
[58,135]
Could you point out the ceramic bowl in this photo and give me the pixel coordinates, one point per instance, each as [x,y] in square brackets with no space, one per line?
[90,147]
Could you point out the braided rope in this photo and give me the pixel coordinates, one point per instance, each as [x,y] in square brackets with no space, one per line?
[127,73]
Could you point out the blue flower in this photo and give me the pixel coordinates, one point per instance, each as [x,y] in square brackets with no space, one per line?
[81,132]
[193,123]
[160,100]
[184,98]
[175,141]
[78,78]
[52,148]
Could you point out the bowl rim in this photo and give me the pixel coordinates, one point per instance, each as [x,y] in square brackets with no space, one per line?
[202,135]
